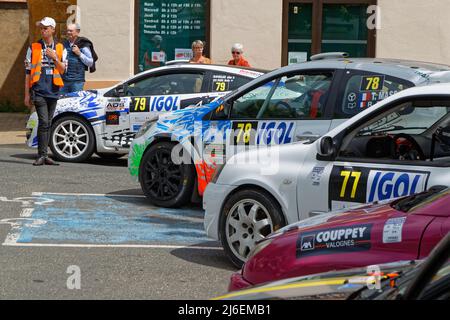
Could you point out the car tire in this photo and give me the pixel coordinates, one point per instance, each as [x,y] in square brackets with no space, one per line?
[239,229]
[72,139]
[163,182]
[110,156]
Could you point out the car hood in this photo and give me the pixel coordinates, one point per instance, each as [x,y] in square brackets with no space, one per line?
[79,101]
[338,216]
[333,285]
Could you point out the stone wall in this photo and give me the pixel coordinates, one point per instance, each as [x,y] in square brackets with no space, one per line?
[18,28]
[14,30]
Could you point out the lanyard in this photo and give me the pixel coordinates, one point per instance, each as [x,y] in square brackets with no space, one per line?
[51,47]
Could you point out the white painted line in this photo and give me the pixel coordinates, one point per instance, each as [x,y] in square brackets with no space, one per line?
[87,194]
[131,246]
[167,216]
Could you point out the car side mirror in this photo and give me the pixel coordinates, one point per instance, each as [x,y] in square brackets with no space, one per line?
[327,148]
[121,90]
[221,112]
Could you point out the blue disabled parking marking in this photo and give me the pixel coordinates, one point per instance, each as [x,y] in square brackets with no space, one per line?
[109,220]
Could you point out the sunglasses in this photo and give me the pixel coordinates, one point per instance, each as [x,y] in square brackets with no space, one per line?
[235,52]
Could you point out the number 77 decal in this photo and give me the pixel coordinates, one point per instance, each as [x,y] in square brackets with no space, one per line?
[347,175]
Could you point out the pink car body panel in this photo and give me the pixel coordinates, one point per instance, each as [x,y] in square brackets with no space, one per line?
[295,254]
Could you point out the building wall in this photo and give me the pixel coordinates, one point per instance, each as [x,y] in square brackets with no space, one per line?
[254,23]
[414,29]
[110,26]
[14,31]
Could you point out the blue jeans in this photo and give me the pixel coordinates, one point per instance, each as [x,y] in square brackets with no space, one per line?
[71,86]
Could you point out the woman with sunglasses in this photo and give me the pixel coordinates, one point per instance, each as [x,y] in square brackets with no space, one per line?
[238,58]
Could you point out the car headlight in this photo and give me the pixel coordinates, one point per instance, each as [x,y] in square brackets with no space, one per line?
[145,127]
[216,174]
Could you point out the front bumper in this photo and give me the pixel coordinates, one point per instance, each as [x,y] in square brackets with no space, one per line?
[237,282]
[213,199]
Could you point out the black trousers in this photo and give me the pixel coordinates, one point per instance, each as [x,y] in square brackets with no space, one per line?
[45,108]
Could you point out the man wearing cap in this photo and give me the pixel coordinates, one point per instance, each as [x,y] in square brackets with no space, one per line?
[79,58]
[45,63]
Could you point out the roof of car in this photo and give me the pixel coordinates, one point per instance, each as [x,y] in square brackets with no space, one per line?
[414,71]
[224,68]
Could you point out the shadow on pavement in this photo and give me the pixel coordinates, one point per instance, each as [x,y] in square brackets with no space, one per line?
[25,156]
[121,162]
[129,192]
[211,258]
[94,160]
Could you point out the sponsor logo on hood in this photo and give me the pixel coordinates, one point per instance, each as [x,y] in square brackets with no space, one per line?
[334,240]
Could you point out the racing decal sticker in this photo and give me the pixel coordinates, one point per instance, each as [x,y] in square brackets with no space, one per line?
[155,104]
[244,132]
[221,82]
[113,118]
[115,105]
[372,83]
[275,132]
[263,132]
[392,231]
[316,175]
[120,138]
[368,99]
[334,240]
[355,185]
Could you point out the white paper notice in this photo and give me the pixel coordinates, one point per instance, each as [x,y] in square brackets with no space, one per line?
[297,57]
[183,54]
[392,231]
[158,56]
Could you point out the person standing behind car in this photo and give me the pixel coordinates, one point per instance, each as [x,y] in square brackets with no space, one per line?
[79,59]
[197,52]
[45,63]
[238,59]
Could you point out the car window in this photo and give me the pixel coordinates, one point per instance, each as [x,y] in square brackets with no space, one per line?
[363,91]
[410,118]
[248,105]
[222,82]
[403,133]
[167,84]
[301,96]
[298,97]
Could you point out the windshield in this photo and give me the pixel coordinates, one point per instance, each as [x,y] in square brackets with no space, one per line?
[420,200]
[411,118]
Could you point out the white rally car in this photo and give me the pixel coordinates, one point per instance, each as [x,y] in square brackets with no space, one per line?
[105,121]
[398,147]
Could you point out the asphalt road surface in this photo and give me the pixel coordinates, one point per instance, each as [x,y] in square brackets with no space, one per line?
[85,231]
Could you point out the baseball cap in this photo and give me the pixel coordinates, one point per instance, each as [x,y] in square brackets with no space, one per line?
[47,22]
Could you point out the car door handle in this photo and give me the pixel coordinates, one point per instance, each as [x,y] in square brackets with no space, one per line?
[311,137]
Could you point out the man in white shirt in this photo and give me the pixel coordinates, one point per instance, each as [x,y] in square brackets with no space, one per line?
[79,60]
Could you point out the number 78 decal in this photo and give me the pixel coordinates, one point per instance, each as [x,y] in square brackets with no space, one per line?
[347,174]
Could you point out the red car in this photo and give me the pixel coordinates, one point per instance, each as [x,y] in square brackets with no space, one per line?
[403,229]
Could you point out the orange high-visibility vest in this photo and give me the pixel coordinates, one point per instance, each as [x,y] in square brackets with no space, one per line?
[36,64]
